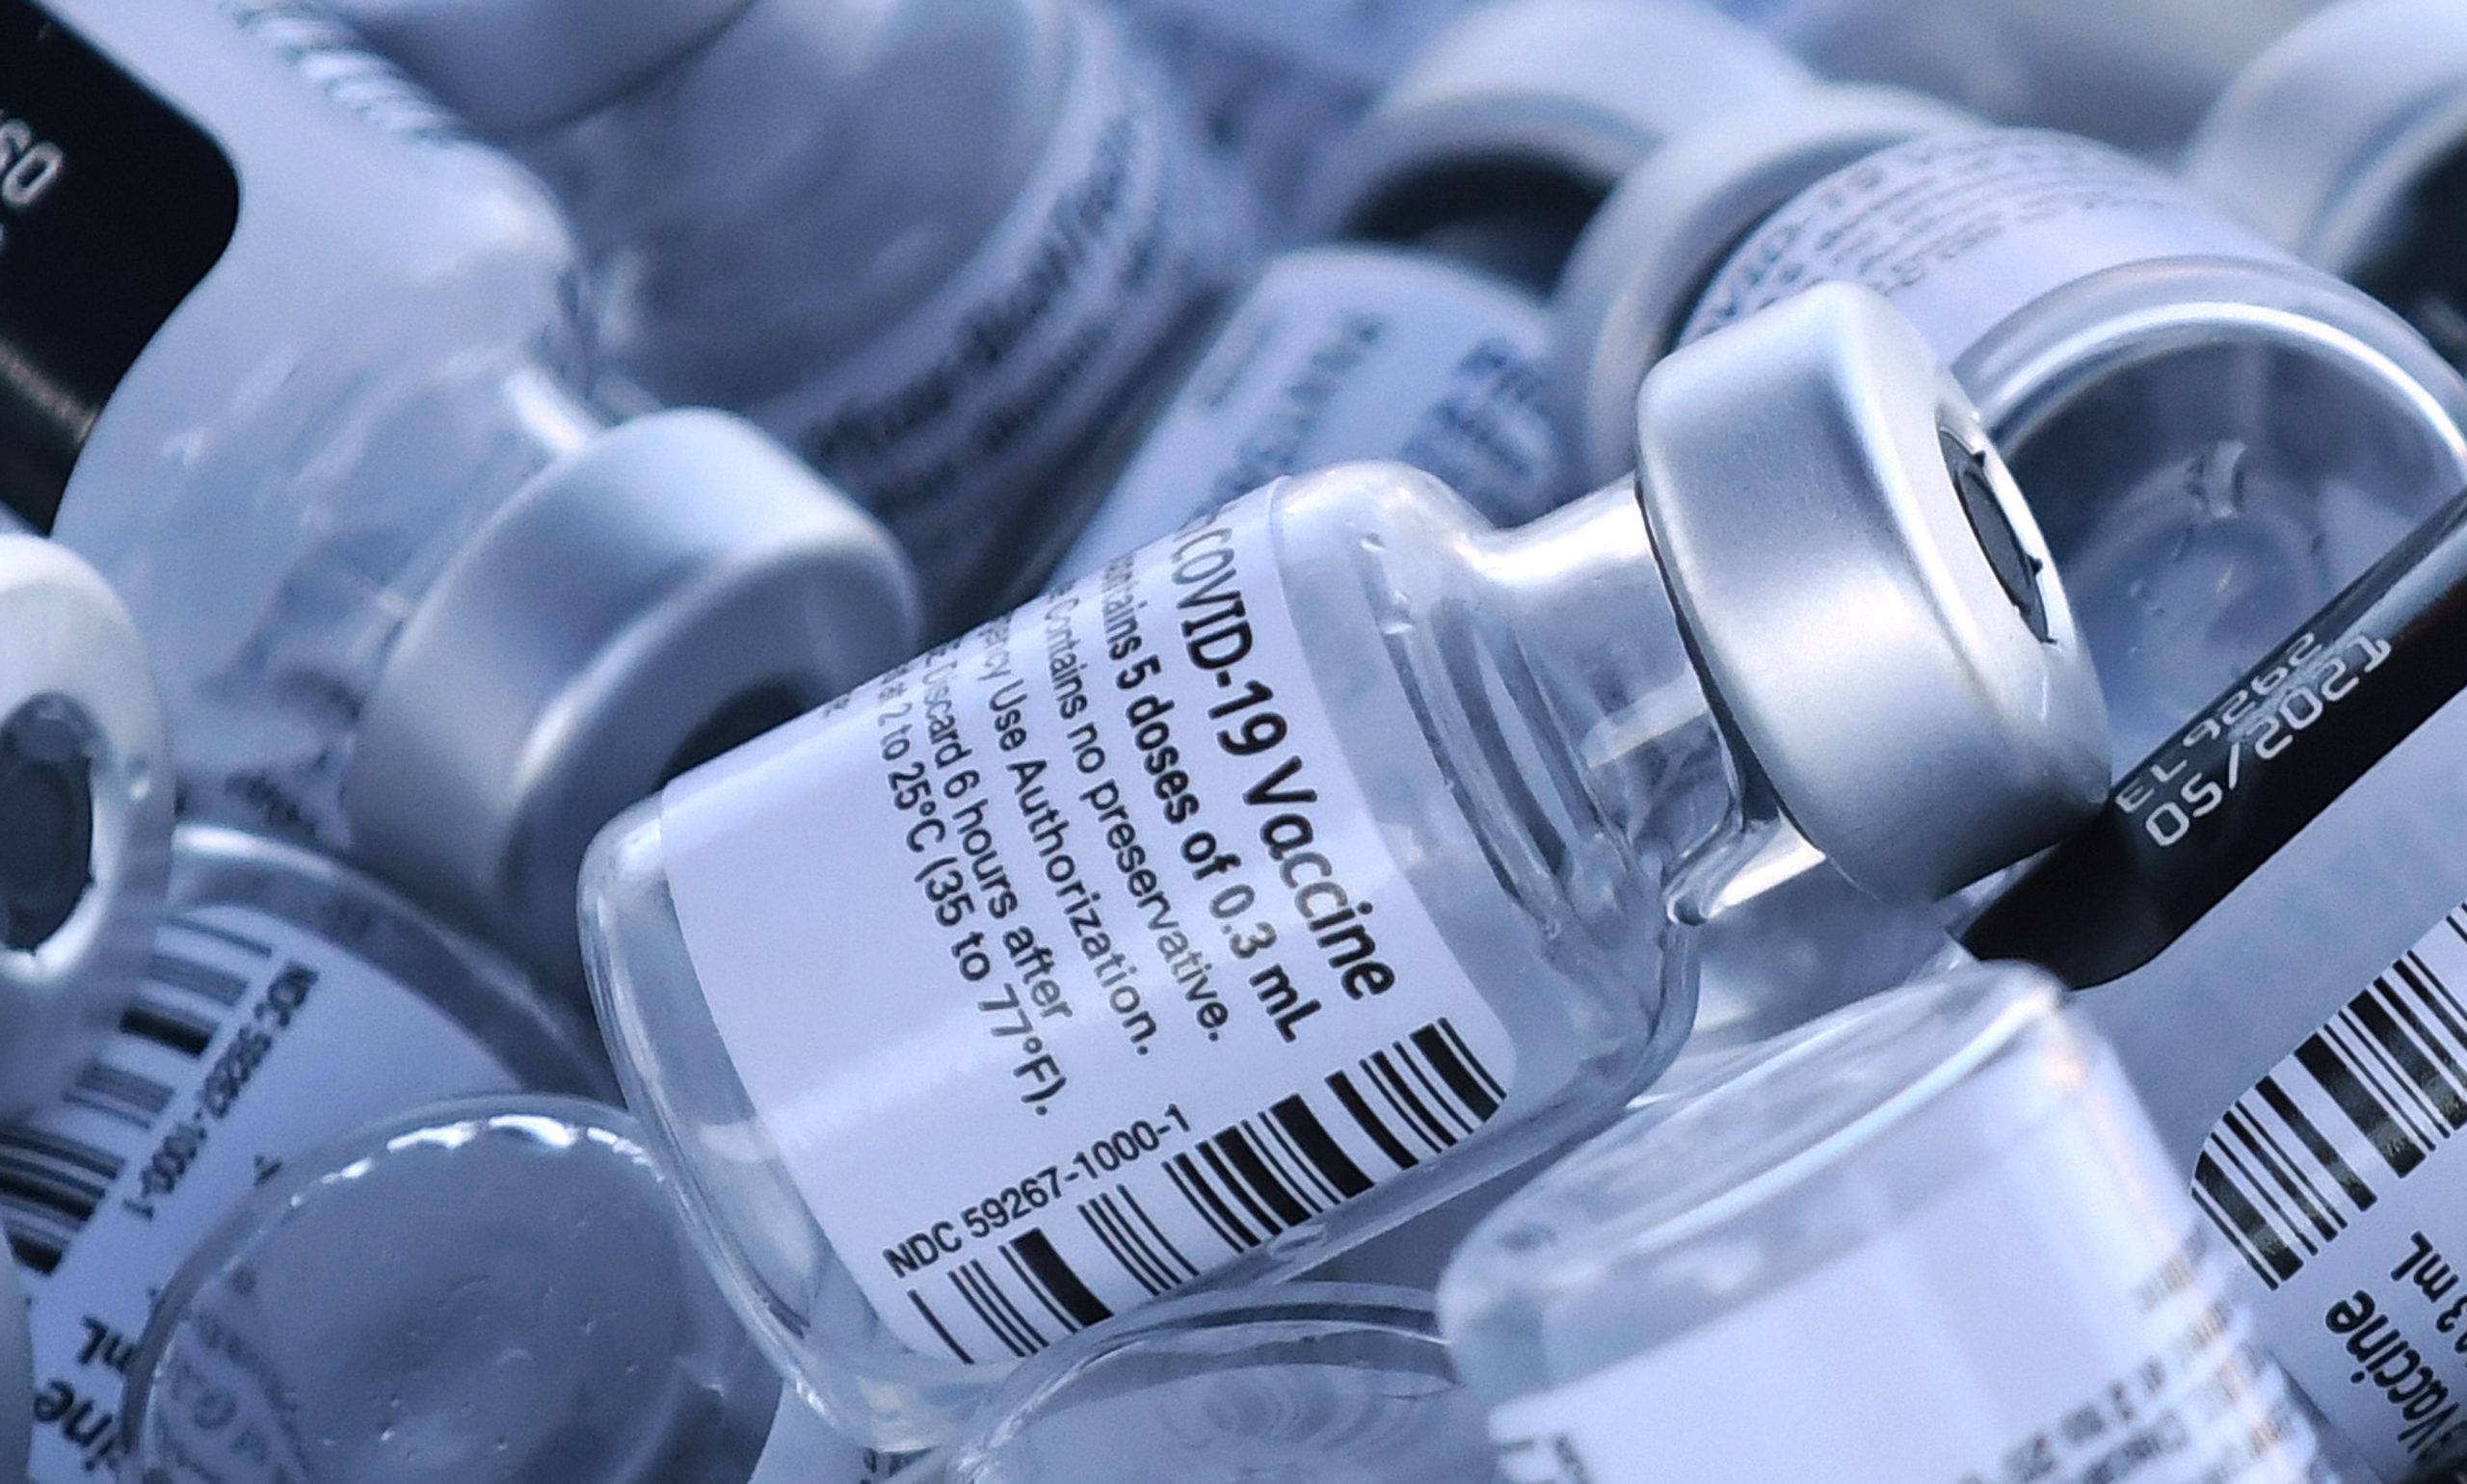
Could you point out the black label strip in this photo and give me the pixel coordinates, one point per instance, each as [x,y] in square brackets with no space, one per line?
[2204,811]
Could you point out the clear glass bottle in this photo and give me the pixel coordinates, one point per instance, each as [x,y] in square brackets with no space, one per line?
[488,1291]
[305,409]
[2266,923]
[1418,334]
[85,817]
[2215,437]
[2346,141]
[1302,1383]
[1936,1230]
[286,1001]
[931,246]
[1213,944]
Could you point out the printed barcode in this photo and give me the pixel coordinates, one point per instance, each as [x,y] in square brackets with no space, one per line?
[1275,1170]
[56,1168]
[2359,1104]
[1260,1175]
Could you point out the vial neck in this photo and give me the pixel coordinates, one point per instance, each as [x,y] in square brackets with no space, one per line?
[424,473]
[1588,718]
[525,417]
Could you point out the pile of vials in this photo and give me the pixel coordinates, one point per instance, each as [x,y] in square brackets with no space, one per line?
[1234,741]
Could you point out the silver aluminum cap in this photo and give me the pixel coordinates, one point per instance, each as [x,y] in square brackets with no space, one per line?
[85,816]
[1670,224]
[515,66]
[1876,617]
[2329,140]
[674,587]
[1580,89]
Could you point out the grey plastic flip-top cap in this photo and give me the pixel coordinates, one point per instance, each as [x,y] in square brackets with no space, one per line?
[2325,140]
[1672,221]
[1876,615]
[675,586]
[85,816]
[1581,88]
[488,1290]
[515,66]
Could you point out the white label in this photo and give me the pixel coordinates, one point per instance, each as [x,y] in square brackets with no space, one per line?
[250,1041]
[974,398]
[2340,1180]
[1066,963]
[1961,230]
[1344,353]
[2035,1323]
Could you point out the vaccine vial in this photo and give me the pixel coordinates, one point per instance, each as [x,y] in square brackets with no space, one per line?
[285,1000]
[1936,1222]
[1306,1383]
[2266,921]
[490,1289]
[1219,949]
[1272,84]
[406,594]
[85,817]
[2215,437]
[2344,143]
[976,233]
[1419,334]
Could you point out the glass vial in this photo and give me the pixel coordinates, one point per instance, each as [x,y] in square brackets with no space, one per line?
[2266,922]
[1418,333]
[488,1290]
[2346,143]
[286,1000]
[85,817]
[930,245]
[1936,1222]
[323,409]
[1231,938]
[1303,1383]
[2215,437]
